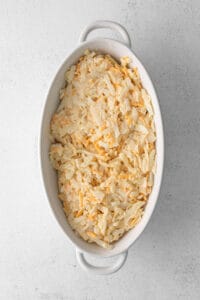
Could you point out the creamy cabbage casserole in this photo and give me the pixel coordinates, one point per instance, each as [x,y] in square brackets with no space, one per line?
[103,147]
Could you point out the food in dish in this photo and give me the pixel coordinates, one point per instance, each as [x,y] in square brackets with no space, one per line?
[103,147]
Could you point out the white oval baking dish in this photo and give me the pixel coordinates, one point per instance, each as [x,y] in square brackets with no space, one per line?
[116,49]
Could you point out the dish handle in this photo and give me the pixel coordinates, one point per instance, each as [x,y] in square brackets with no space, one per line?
[106,24]
[101,270]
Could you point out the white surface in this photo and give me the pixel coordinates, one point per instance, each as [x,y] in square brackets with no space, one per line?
[36,261]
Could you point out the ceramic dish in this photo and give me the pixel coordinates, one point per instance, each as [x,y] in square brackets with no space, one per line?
[117,50]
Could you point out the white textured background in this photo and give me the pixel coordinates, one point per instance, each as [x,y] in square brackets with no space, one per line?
[36,260]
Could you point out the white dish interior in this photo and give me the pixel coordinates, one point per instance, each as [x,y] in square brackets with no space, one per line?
[117,50]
